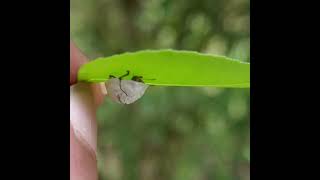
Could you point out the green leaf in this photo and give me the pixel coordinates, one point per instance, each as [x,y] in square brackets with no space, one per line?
[170,68]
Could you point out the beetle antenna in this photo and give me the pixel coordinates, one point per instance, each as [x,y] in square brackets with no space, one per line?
[128,72]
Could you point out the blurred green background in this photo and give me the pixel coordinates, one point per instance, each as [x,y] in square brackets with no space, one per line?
[172,133]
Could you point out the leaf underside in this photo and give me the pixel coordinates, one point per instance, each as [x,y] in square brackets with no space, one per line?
[170,68]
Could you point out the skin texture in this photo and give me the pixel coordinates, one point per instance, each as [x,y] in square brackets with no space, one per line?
[84,99]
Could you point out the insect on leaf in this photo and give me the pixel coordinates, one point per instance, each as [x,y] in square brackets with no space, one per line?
[170,68]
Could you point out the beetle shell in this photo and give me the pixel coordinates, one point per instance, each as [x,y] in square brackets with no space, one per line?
[133,90]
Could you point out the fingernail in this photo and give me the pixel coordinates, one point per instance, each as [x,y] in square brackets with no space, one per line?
[83,163]
[83,115]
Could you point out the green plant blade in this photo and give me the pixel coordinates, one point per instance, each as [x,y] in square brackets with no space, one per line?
[170,68]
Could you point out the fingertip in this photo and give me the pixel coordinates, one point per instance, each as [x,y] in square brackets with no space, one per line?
[77,58]
[98,94]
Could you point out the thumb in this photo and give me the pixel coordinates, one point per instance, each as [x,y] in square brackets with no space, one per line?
[83,126]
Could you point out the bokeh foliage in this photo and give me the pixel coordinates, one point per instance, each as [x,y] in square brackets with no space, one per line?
[172,133]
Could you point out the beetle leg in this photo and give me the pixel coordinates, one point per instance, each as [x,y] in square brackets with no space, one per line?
[111,76]
[137,78]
